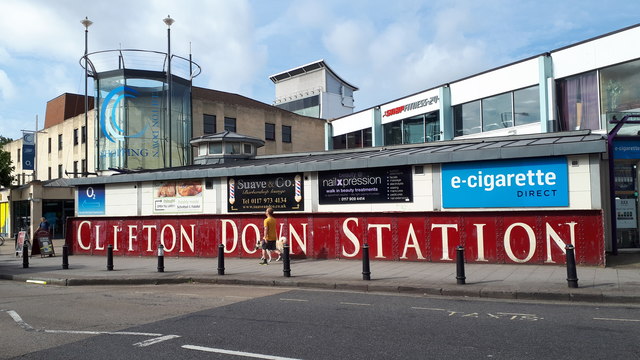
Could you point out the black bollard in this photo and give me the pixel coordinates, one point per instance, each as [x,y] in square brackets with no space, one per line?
[286,265]
[160,258]
[221,259]
[110,257]
[65,257]
[460,277]
[25,256]
[366,271]
[572,274]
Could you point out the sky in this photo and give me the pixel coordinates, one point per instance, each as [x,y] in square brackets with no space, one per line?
[388,49]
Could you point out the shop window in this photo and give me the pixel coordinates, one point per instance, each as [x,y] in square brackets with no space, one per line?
[467,118]
[286,134]
[413,130]
[526,105]
[230,124]
[497,112]
[577,99]
[270,131]
[432,126]
[620,94]
[208,124]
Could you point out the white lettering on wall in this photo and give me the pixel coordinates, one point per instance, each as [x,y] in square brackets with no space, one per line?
[184,236]
[445,237]
[173,238]
[553,235]
[131,236]
[294,235]
[250,249]
[225,239]
[379,227]
[148,228]
[480,241]
[532,242]
[351,236]
[411,235]
[79,235]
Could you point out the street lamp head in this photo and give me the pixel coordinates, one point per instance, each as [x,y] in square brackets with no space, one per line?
[168,20]
[86,22]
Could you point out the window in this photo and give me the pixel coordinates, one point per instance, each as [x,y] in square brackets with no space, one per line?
[526,105]
[620,94]
[578,102]
[75,137]
[208,124]
[84,134]
[232,149]
[497,112]
[247,149]
[75,169]
[230,124]
[49,145]
[467,119]
[84,167]
[49,173]
[60,171]
[215,148]
[270,131]
[286,134]
[414,130]
[59,142]
[393,133]
[19,156]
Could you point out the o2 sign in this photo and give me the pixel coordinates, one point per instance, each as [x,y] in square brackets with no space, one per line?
[536,182]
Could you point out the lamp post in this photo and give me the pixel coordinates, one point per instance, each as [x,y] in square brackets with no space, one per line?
[168,21]
[86,23]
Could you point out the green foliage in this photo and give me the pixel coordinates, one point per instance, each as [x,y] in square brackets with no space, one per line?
[5,163]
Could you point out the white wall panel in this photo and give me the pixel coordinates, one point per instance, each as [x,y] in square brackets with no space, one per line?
[357,121]
[516,76]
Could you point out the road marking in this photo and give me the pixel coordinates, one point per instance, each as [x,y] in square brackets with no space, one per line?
[356,304]
[41,282]
[156,337]
[237,353]
[155,340]
[424,308]
[300,300]
[612,319]
[19,320]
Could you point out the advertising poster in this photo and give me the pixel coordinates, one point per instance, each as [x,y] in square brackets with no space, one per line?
[255,193]
[91,200]
[375,185]
[626,214]
[531,182]
[174,197]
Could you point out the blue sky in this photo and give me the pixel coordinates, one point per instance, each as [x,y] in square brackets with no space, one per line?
[389,49]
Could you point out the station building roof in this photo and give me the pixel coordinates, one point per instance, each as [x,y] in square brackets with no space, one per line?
[494,148]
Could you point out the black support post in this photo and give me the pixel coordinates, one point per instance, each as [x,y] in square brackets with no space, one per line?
[160,258]
[110,257]
[221,259]
[366,270]
[25,256]
[572,273]
[460,277]
[286,264]
[65,257]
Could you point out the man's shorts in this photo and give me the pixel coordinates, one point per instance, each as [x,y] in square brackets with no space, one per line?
[269,245]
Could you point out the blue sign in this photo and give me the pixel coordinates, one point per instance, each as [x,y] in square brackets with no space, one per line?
[28,150]
[506,183]
[626,149]
[91,200]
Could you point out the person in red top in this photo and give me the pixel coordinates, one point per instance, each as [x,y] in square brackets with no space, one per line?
[269,237]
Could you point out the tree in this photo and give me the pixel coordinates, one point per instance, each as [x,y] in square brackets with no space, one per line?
[5,163]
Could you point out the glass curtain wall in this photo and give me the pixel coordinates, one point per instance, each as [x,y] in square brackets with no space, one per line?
[353,140]
[620,94]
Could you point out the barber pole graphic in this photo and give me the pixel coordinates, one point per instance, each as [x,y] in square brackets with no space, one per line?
[232,191]
[298,194]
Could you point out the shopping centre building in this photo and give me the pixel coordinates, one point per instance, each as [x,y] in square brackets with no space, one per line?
[513,164]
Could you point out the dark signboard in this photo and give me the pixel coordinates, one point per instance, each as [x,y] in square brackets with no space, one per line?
[374,185]
[255,193]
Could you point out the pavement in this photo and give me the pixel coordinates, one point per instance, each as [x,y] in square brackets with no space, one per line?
[618,283]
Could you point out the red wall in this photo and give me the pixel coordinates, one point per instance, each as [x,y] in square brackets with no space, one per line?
[528,237]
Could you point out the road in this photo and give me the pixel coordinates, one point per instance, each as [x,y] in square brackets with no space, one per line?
[200,321]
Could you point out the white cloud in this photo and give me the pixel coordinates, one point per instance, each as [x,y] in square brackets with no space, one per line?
[7,89]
